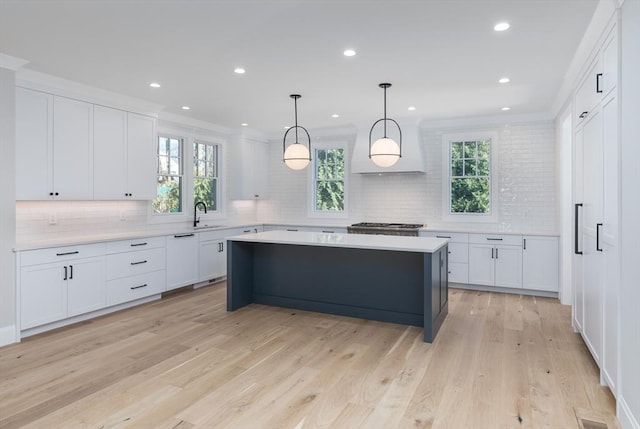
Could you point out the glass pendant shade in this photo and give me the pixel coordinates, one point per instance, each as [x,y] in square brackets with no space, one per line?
[296,156]
[385,152]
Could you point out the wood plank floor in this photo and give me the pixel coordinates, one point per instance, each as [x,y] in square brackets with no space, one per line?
[499,361]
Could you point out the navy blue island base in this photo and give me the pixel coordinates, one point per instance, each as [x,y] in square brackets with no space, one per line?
[386,285]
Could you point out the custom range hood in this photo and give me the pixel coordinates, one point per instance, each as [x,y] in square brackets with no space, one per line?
[411,160]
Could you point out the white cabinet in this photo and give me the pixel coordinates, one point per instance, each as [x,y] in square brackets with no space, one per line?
[182,260]
[135,269]
[72,149]
[596,183]
[458,257]
[600,78]
[34,144]
[212,255]
[123,155]
[495,260]
[250,161]
[54,147]
[61,282]
[540,263]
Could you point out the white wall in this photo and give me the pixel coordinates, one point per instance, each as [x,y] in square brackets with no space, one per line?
[527,183]
[7,207]
[629,393]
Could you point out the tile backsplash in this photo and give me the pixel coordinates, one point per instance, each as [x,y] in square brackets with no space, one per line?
[526,174]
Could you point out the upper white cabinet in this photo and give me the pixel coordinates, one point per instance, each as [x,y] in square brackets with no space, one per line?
[72,150]
[123,155]
[54,144]
[600,78]
[250,171]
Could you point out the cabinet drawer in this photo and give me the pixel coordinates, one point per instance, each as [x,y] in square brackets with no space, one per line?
[458,273]
[454,237]
[133,263]
[136,244]
[135,287]
[497,239]
[458,252]
[54,254]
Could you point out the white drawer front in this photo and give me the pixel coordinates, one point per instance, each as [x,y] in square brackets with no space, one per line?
[497,239]
[458,273]
[454,237]
[458,252]
[135,287]
[218,234]
[55,254]
[137,244]
[133,263]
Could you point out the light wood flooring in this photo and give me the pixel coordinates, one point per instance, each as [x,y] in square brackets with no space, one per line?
[499,361]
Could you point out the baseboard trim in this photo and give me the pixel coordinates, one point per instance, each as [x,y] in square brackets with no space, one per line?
[8,335]
[625,416]
[509,290]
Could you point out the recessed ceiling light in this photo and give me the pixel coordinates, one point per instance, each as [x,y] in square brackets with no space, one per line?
[244,124]
[335,115]
[349,53]
[154,85]
[506,108]
[504,80]
[411,108]
[186,108]
[501,26]
[239,70]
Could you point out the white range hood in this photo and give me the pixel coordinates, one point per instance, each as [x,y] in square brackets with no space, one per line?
[411,160]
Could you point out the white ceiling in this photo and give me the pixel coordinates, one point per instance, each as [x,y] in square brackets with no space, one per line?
[442,56]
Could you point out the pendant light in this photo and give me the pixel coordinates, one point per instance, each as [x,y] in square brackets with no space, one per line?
[385,152]
[297,156]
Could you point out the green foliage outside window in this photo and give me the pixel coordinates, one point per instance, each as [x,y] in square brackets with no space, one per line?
[329,179]
[470,176]
[205,174]
[169,185]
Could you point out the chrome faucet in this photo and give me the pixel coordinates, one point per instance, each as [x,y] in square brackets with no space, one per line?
[195,212]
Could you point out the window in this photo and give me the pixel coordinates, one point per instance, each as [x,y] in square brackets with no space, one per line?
[469,182]
[205,174]
[170,175]
[329,180]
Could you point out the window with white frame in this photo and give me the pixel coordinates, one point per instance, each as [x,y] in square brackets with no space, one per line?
[329,180]
[169,188]
[205,174]
[469,180]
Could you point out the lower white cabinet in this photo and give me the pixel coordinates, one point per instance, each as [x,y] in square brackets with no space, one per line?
[61,282]
[495,260]
[212,256]
[540,263]
[458,257]
[182,260]
[135,269]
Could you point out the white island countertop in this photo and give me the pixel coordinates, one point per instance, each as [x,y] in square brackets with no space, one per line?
[354,241]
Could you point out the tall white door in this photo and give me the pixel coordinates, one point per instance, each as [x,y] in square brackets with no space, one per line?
[592,233]
[577,262]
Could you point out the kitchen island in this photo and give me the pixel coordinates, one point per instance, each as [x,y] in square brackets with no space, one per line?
[386,278]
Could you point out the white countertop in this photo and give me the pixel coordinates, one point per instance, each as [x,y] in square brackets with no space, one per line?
[356,241]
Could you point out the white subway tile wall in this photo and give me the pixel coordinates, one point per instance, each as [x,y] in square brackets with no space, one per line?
[527,190]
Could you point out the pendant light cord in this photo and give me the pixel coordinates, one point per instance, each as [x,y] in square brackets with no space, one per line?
[295,103]
[385,112]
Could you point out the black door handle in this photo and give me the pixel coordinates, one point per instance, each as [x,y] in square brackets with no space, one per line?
[65,273]
[598,89]
[576,230]
[598,226]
